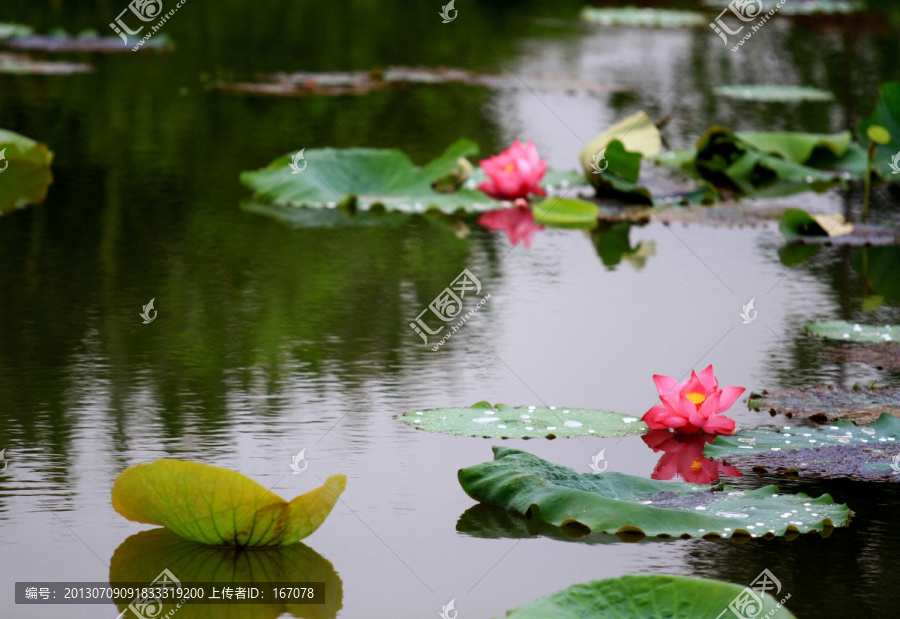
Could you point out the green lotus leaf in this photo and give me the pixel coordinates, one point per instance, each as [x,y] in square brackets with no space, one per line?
[363,178]
[565,213]
[885,430]
[853,332]
[771,164]
[651,596]
[8,31]
[24,171]
[501,421]
[825,403]
[797,223]
[839,450]
[144,556]
[815,7]
[583,503]
[772,93]
[212,505]
[632,17]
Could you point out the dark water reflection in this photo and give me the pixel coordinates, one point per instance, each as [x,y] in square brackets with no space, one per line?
[271,339]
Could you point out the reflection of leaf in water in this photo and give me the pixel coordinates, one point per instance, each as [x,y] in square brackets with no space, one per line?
[655,595]
[491,522]
[880,268]
[613,244]
[142,557]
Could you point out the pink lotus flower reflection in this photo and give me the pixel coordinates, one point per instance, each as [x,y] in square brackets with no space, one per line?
[517,222]
[684,457]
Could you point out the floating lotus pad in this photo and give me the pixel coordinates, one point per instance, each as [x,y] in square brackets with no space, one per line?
[838,450]
[844,331]
[20,64]
[305,83]
[802,7]
[86,42]
[26,171]
[828,403]
[501,421]
[362,178]
[216,506]
[565,213]
[583,503]
[771,164]
[654,595]
[633,17]
[772,93]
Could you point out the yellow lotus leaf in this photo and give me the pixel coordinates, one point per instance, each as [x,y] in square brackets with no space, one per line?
[212,505]
[637,133]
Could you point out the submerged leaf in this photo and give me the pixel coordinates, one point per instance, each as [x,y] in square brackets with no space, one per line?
[839,450]
[501,421]
[212,505]
[844,331]
[142,557]
[582,503]
[654,595]
[25,169]
[828,403]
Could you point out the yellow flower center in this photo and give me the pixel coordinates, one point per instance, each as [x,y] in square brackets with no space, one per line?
[697,465]
[697,398]
[509,168]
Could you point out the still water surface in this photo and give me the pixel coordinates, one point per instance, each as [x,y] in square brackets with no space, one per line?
[271,339]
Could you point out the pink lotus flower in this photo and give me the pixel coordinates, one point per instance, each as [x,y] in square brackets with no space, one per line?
[517,222]
[514,173]
[683,456]
[694,405]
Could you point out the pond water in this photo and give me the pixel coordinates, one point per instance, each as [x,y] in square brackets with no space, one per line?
[271,339]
